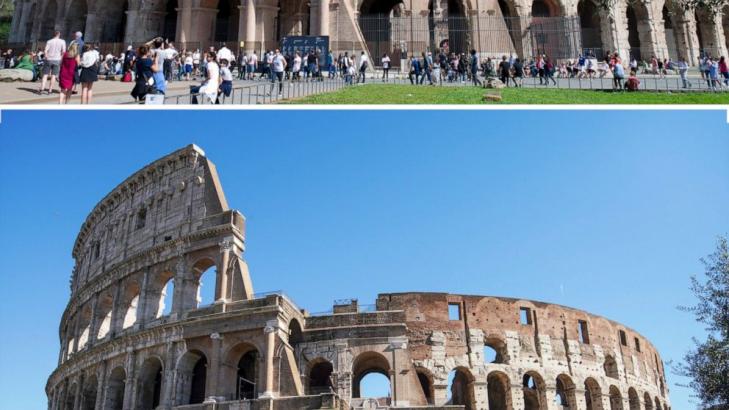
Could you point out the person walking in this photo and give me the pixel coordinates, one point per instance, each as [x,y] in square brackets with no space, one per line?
[474,68]
[158,55]
[414,74]
[54,51]
[683,71]
[252,65]
[504,71]
[89,72]
[385,68]
[724,70]
[426,67]
[68,69]
[226,80]
[518,78]
[278,66]
[618,75]
[363,64]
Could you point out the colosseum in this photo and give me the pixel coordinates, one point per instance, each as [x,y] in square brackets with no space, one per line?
[560,28]
[156,235]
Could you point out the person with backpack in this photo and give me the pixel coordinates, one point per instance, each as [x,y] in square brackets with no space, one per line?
[504,71]
[363,64]
[414,74]
[145,68]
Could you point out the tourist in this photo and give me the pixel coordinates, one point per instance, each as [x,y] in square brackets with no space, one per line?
[188,65]
[332,69]
[724,70]
[518,69]
[69,63]
[266,61]
[54,50]
[196,63]
[209,88]
[158,54]
[224,53]
[633,83]
[363,64]
[226,80]
[427,66]
[385,68]
[89,72]
[8,59]
[311,65]
[549,71]
[145,68]
[504,71]
[474,68]
[349,69]
[23,69]
[252,65]
[713,75]
[618,75]
[278,65]
[540,70]
[414,73]
[169,54]
[683,71]
[296,69]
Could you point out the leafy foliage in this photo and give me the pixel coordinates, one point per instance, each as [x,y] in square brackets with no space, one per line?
[708,364]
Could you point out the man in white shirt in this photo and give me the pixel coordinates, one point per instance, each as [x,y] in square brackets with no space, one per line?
[169,54]
[55,48]
[363,63]
[278,66]
[252,65]
[225,54]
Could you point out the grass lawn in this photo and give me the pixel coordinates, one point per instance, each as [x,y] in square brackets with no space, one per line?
[408,94]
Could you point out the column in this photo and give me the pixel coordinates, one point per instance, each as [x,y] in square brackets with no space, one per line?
[142,303]
[77,394]
[130,383]
[168,379]
[115,307]
[223,277]
[93,331]
[100,388]
[323,17]
[94,28]
[399,390]
[270,331]
[250,26]
[213,373]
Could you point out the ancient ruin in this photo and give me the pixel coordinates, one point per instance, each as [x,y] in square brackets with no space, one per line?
[157,233]
[559,28]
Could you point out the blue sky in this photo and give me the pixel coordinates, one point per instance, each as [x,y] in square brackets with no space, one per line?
[605,211]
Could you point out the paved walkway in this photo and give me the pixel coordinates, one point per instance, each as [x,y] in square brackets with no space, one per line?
[258,91]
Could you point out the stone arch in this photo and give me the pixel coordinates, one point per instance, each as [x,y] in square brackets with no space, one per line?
[149,384]
[639,29]
[499,391]
[205,275]
[247,370]
[296,335]
[161,293]
[293,19]
[192,376]
[89,393]
[633,399]
[593,394]
[320,376]
[647,402]
[169,31]
[366,363]
[616,399]
[75,19]
[116,385]
[226,21]
[48,20]
[495,347]
[565,392]
[610,366]
[546,8]
[130,305]
[658,404]
[84,326]
[534,391]
[594,28]
[425,379]
[461,388]
[104,308]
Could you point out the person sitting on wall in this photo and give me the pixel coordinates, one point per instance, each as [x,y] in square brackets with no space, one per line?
[23,70]
[633,83]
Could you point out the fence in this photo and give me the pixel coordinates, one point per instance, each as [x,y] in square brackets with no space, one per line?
[558,37]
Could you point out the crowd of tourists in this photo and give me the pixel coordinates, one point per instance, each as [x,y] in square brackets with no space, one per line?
[152,66]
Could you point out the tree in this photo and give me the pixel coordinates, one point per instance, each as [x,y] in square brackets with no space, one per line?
[708,363]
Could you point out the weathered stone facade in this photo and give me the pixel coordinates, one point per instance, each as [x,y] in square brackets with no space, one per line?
[170,222]
[642,28]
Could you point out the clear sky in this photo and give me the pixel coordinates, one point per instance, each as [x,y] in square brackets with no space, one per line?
[603,211]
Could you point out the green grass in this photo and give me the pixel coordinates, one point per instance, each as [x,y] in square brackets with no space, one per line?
[408,94]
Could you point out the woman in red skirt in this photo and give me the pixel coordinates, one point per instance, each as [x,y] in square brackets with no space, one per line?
[68,69]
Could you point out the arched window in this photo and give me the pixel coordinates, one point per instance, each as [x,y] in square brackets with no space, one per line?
[115,389]
[593,395]
[130,317]
[88,398]
[205,273]
[192,368]
[460,388]
[611,367]
[535,392]
[499,392]
[647,401]
[375,368]
[565,392]
[616,399]
[426,384]
[165,299]
[246,385]
[494,351]
[150,384]
[320,377]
